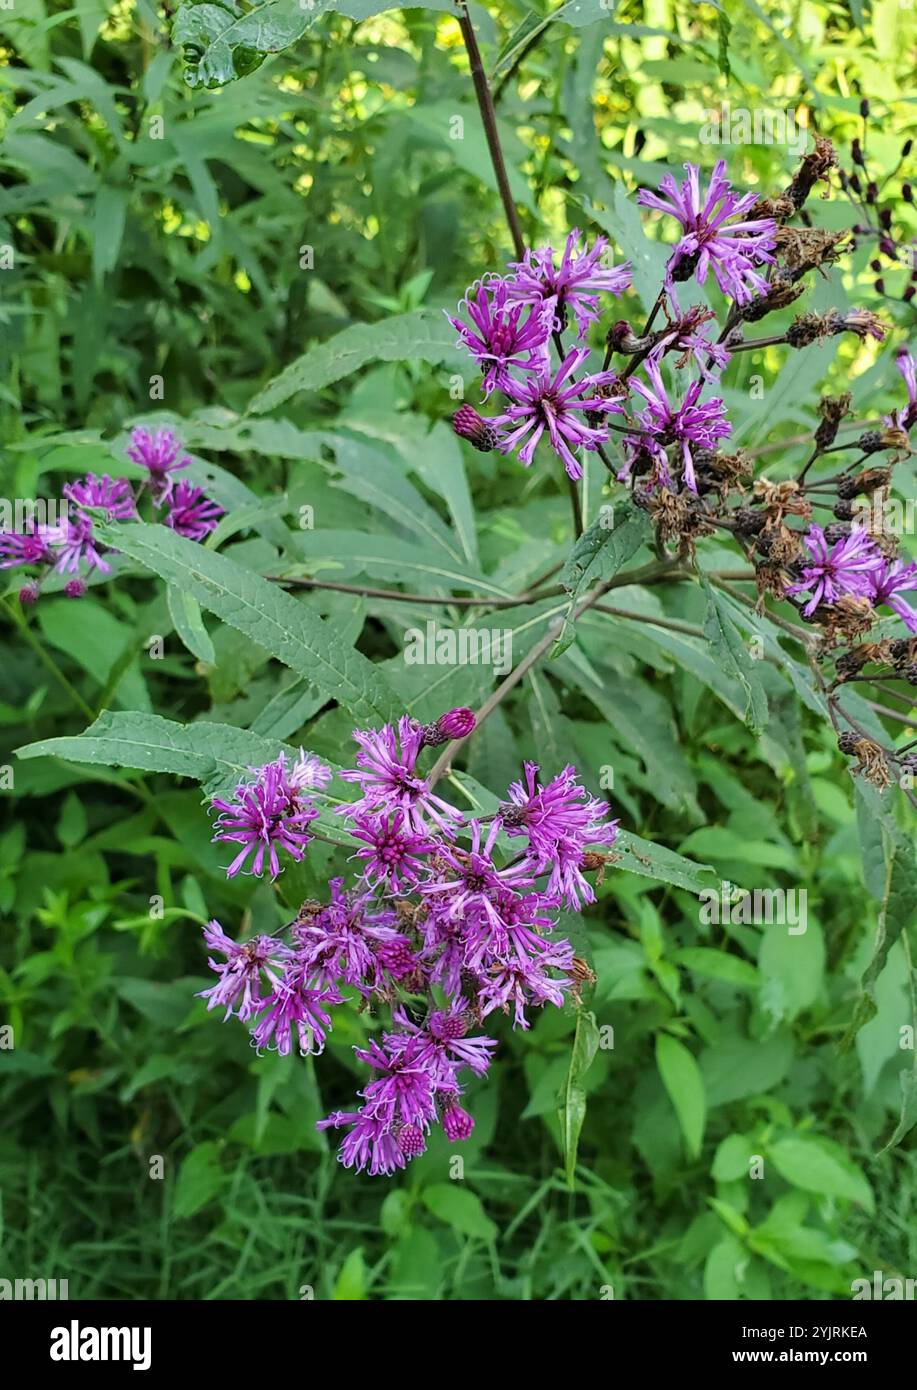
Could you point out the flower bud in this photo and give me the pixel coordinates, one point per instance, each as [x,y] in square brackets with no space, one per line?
[29,593]
[455,723]
[74,588]
[457,1123]
[468,424]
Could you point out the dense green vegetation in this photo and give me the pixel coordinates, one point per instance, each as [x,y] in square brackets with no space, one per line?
[256,254]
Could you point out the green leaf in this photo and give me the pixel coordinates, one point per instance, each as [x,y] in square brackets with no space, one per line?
[199,1180]
[682,1079]
[185,612]
[654,861]
[423,334]
[572,1110]
[214,754]
[460,1209]
[350,1285]
[898,908]
[597,556]
[262,611]
[820,1166]
[737,661]
[221,42]
[718,965]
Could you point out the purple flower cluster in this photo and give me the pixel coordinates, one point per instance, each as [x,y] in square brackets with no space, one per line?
[854,566]
[445,922]
[71,544]
[513,321]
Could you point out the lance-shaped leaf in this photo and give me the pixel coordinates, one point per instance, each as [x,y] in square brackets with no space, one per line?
[572,1111]
[738,662]
[682,1079]
[263,612]
[424,334]
[214,754]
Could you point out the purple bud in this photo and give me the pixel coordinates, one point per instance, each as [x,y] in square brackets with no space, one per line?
[74,588]
[864,108]
[457,1123]
[857,153]
[411,1141]
[468,424]
[29,593]
[456,723]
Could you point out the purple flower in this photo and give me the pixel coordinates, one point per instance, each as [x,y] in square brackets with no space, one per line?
[574,285]
[542,402]
[295,1009]
[161,454]
[386,775]
[478,430]
[265,815]
[309,773]
[457,1123]
[885,584]
[502,334]
[404,1087]
[686,424]
[114,494]
[847,567]
[561,811]
[24,548]
[455,723]
[710,236]
[345,940]
[393,853]
[519,983]
[240,973]
[371,1144]
[907,366]
[441,1042]
[512,932]
[74,541]
[191,514]
[468,882]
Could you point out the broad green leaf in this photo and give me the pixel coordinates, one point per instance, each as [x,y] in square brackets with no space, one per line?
[718,965]
[200,1178]
[388,559]
[287,629]
[820,1166]
[459,1208]
[682,1079]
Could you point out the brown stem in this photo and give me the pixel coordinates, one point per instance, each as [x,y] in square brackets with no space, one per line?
[489,118]
[477,601]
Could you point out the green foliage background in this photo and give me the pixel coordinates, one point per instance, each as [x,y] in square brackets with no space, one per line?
[159,229]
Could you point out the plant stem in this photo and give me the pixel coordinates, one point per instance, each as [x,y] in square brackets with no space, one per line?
[477,601]
[489,119]
[666,569]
